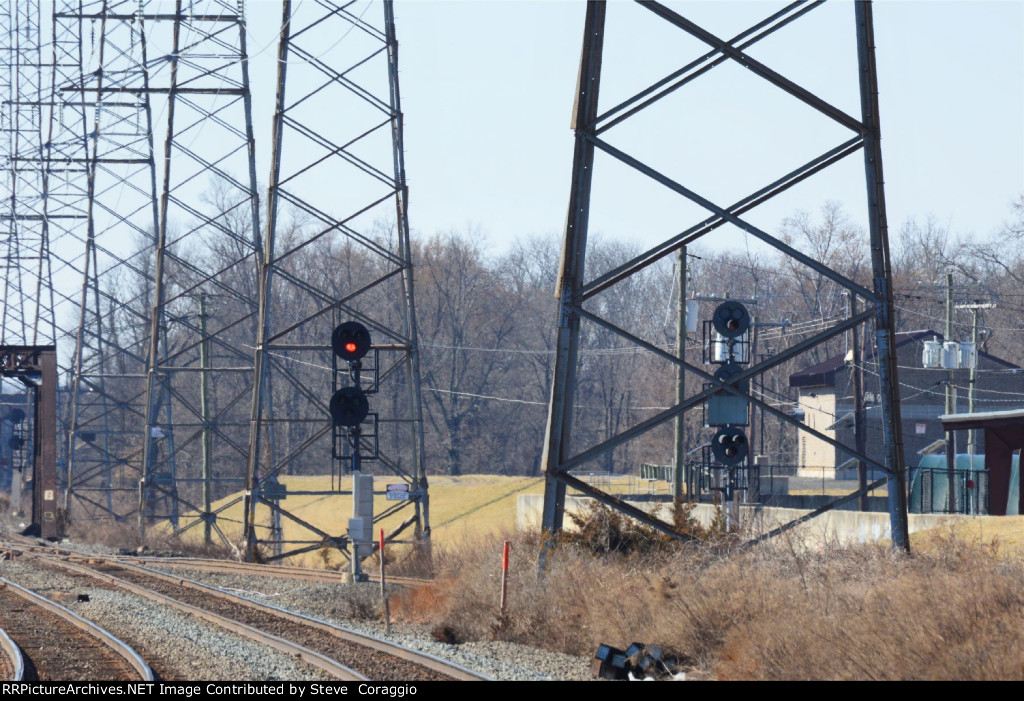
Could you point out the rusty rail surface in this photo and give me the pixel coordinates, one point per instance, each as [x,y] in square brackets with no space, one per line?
[146,582]
[247,568]
[14,657]
[88,628]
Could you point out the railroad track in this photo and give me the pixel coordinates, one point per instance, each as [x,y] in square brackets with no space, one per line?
[44,641]
[248,568]
[341,653]
[229,566]
[12,662]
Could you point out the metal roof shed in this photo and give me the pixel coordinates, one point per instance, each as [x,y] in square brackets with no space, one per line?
[1004,435]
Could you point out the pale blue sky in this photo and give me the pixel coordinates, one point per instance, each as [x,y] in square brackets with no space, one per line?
[488,89]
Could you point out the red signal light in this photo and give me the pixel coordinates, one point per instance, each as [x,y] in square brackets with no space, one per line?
[350,341]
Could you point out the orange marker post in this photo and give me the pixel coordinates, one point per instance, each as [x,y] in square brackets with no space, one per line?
[504,580]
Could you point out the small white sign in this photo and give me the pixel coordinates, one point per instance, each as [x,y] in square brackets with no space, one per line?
[398,487]
[397,496]
[920,429]
[48,495]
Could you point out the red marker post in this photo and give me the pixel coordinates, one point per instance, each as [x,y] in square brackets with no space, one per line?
[504,580]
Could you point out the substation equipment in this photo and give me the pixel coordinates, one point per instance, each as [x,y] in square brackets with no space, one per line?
[578,288]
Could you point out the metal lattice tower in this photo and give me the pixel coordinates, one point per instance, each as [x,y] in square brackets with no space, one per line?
[579,289]
[336,249]
[204,309]
[26,314]
[103,123]
[28,328]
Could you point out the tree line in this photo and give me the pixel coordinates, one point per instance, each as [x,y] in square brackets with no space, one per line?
[487,328]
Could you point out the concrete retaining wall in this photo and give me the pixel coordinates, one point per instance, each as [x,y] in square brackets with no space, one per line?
[834,526]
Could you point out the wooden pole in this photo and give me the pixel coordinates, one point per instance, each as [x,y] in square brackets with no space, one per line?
[383,586]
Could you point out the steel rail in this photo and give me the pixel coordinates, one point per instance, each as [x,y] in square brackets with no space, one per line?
[427,661]
[13,654]
[423,659]
[332,667]
[116,644]
[265,570]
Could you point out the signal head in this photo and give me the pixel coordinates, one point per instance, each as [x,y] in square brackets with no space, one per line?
[729,446]
[731,319]
[350,341]
[727,370]
[349,407]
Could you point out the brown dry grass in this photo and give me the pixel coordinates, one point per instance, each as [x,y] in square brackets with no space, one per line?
[125,535]
[780,611]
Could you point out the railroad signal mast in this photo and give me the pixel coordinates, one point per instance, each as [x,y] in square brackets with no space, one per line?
[349,409]
[729,348]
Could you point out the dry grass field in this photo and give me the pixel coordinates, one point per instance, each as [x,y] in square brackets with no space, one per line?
[1003,534]
[460,508]
[469,507]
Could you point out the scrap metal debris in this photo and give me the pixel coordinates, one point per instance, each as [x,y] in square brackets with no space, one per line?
[636,663]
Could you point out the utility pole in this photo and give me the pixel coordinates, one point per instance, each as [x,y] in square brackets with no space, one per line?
[752,408]
[881,269]
[975,308]
[679,461]
[950,403]
[204,405]
[950,376]
[361,84]
[563,451]
[859,417]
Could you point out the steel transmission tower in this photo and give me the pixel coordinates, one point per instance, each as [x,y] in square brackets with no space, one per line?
[102,135]
[336,249]
[204,298]
[28,326]
[579,289]
[26,311]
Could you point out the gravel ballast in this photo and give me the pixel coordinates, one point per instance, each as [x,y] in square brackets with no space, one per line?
[209,653]
[328,602]
[177,646]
